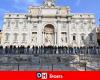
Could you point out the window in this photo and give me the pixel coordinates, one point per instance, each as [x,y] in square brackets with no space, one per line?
[81,25]
[13,22]
[89,28]
[77,23]
[24,37]
[16,23]
[34,37]
[15,37]
[64,25]
[34,25]
[73,26]
[91,37]
[7,35]
[8,23]
[82,37]
[20,22]
[25,23]
[64,37]
[74,37]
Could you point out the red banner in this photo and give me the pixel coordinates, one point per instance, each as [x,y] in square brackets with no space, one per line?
[49,75]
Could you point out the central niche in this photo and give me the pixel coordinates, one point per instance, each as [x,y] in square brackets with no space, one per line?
[49,35]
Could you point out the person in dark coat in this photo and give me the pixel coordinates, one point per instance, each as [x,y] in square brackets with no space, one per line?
[28,50]
[15,49]
[42,49]
[66,50]
[58,49]
[33,49]
[6,50]
[10,50]
[36,49]
[18,50]
[21,49]
[1,49]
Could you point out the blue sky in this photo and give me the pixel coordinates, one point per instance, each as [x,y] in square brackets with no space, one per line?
[77,6]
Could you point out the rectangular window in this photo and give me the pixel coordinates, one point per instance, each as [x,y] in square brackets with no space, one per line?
[34,37]
[82,37]
[74,38]
[16,23]
[25,23]
[24,37]
[7,35]
[34,25]
[64,25]
[20,22]
[64,37]
[91,37]
[15,37]
[9,24]
[13,22]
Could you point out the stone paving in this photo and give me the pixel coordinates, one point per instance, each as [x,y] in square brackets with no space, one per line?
[42,62]
[38,67]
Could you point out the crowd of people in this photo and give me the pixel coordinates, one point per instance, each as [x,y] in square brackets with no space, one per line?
[49,50]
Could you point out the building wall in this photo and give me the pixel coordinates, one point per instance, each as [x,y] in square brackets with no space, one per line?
[98,34]
[0,36]
[67,26]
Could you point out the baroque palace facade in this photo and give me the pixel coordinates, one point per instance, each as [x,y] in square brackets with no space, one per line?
[49,25]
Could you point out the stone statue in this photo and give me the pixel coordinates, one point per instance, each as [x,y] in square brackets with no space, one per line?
[49,3]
